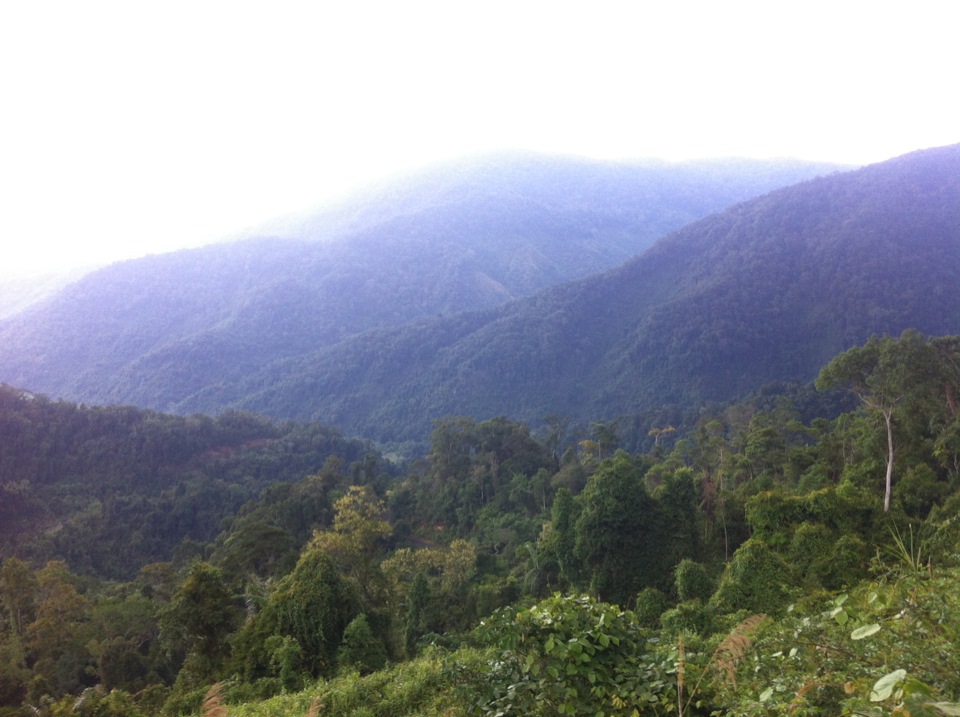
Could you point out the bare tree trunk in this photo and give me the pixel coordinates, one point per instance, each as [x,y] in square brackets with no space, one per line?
[888,417]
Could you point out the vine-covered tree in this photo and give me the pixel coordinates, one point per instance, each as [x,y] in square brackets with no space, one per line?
[618,532]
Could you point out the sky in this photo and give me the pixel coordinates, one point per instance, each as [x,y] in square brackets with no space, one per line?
[130,128]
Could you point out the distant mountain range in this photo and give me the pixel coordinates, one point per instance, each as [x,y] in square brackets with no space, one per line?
[768,290]
[175,331]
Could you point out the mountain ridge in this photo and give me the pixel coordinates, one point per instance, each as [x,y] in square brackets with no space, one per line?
[751,309]
[158,330]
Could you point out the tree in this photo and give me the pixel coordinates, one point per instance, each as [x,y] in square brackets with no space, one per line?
[361,649]
[605,436]
[55,639]
[563,536]
[885,374]
[617,532]
[198,620]
[313,605]
[354,544]
[18,587]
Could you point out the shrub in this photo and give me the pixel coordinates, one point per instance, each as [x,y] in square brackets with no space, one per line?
[693,581]
[756,580]
[567,655]
[651,604]
[361,650]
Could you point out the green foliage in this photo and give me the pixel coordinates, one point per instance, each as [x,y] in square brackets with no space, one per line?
[810,548]
[642,525]
[650,605]
[617,532]
[690,616]
[124,487]
[693,581]
[890,377]
[418,688]
[680,520]
[756,580]
[884,647]
[566,655]
[197,623]
[312,606]
[473,465]
[360,649]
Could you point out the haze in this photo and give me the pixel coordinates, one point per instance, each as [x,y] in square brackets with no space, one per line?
[131,129]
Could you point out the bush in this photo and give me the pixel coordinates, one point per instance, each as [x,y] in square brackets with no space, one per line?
[361,650]
[651,604]
[848,564]
[689,616]
[693,581]
[756,580]
[568,655]
[811,546]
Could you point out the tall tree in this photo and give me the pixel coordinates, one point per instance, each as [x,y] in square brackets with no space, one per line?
[887,375]
[198,620]
[355,543]
[617,532]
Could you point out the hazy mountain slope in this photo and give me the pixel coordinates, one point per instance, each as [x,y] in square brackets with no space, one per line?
[158,330]
[767,290]
[16,294]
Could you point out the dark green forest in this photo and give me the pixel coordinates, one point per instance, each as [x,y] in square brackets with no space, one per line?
[759,559]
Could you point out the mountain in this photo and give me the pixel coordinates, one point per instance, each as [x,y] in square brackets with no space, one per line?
[112,488]
[16,294]
[765,291]
[158,331]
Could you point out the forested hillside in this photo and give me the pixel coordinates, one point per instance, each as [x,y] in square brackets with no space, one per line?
[766,291]
[757,564]
[681,532]
[110,489]
[156,331]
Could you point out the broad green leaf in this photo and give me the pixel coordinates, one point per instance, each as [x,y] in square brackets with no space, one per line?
[766,694]
[866,631]
[885,685]
[951,709]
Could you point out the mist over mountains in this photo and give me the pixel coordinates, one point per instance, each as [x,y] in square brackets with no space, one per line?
[452,295]
[765,291]
[170,331]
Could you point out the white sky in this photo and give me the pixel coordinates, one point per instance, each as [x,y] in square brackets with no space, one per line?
[134,127]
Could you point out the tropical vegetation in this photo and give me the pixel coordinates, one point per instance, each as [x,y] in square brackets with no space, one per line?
[758,563]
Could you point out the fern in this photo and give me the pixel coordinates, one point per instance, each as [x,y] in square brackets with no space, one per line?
[725,658]
[734,646]
[213,702]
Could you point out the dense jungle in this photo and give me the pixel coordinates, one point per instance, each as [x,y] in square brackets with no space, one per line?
[757,563]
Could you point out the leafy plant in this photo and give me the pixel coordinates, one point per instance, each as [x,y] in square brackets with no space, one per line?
[567,655]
